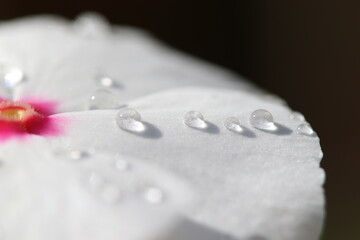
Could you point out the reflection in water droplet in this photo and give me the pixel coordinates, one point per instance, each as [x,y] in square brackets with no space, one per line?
[130,120]
[11,77]
[110,194]
[195,119]
[122,165]
[102,99]
[297,116]
[77,154]
[154,195]
[305,129]
[233,124]
[96,181]
[262,119]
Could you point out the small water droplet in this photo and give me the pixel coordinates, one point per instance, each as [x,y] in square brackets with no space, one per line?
[305,129]
[262,119]
[77,154]
[154,195]
[96,181]
[105,81]
[102,99]
[297,116]
[233,124]
[110,194]
[1,163]
[122,165]
[195,119]
[130,120]
[11,76]
[91,25]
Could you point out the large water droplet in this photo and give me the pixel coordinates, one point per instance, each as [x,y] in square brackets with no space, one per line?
[262,119]
[102,99]
[11,76]
[110,194]
[130,120]
[297,116]
[122,165]
[154,195]
[233,124]
[195,119]
[305,129]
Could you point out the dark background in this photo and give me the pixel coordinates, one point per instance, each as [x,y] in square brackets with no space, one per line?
[307,52]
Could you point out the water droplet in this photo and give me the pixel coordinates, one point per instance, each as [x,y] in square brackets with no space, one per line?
[102,99]
[297,116]
[262,119]
[77,154]
[105,81]
[195,119]
[130,120]
[233,124]
[11,76]
[122,165]
[91,25]
[110,194]
[1,163]
[96,181]
[305,129]
[154,195]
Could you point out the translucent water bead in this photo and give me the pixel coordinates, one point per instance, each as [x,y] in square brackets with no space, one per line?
[305,129]
[195,120]
[154,195]
[297,116]
[262,119]
[130,120]
[102,99]
[233,124]
[11,77]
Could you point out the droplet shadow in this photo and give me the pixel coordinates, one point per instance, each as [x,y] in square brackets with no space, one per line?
[150,131]
[210,128]
[189,229]
[280,130]
[245,132]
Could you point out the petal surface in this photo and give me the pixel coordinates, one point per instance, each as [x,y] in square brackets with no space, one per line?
[75,195]
[254,183]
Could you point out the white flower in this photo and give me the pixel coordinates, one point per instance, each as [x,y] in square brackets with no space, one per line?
[93,180]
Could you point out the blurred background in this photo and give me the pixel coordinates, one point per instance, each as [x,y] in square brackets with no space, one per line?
[307,52]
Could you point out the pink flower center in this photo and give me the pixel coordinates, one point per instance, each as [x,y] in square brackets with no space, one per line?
[23,118]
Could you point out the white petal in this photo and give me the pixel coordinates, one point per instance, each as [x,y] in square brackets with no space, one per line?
[60,63]
[256,183]
[48,195]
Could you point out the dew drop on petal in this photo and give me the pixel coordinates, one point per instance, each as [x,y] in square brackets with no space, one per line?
[297,116]
[154,195]
[77,154]
[11,76]
[91,25]
[195,119]
[233,124]
[105,81]
[102,99]
[130,120]
[95,180]
[122,165]
[262,119]
[305,129]
[1,163]
[110,194]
